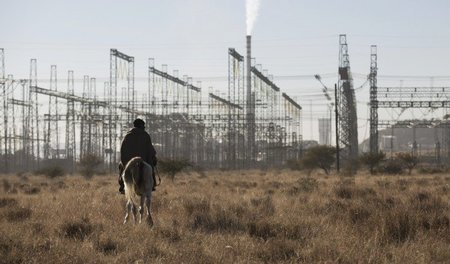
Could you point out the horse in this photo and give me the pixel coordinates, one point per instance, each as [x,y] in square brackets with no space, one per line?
[138,180]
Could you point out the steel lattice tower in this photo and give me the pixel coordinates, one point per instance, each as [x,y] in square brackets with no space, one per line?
[373,100]
[5,120]
[33,85]
[235,96]
[114,71]
[70,122]
[348,126]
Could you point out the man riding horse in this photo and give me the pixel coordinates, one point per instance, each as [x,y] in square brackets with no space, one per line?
[136,143]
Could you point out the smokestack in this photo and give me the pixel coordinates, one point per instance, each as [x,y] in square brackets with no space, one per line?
[250,105]
[248,72]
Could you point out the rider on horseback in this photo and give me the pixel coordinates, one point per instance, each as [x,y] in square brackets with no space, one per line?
[136,143]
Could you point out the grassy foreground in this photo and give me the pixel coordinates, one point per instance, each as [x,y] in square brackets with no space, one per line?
[229,217]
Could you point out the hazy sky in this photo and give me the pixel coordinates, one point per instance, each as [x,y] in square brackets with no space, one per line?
[292,39]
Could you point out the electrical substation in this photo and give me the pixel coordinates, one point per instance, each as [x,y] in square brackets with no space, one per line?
[252,123]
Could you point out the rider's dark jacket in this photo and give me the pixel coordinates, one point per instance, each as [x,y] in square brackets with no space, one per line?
[137,142]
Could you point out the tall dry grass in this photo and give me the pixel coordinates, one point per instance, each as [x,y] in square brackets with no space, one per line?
[229,217]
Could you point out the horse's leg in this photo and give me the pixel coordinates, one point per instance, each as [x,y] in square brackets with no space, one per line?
[149,214]
[134,212]
[141,208]
[128,209]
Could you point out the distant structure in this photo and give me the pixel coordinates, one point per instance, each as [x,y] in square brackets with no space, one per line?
[402,99]
[324,131]
[373,100]
[346,102]
[45,123]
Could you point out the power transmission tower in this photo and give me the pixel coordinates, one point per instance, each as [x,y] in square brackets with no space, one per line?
[5,116]
[348,126]
[373,100]
[70,122]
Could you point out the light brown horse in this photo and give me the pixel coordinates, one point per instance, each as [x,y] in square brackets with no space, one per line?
[138,180]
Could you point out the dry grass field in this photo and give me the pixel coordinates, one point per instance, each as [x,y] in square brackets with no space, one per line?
[229,217]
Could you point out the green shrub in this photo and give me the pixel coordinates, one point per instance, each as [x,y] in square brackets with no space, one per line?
[173,167]
[372,160]
[319,157]
[89,165]
[409,160]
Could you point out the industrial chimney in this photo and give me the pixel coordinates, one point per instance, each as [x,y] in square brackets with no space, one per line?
[248,72]
[250,107]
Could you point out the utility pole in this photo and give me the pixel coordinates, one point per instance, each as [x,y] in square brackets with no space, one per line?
[325,91]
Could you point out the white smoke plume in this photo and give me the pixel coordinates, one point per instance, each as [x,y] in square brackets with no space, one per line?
[251,9]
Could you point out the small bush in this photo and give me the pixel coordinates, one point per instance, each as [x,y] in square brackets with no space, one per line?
[298,231]
[319,157]
[108,247]
[409,160]
[196,205]
[393,167]
[262,229]
[207,217]
[4,202]
[403,184]
[399,226]
[224,221]
[349,192]
[343,191]
[264,206]
[359,214]
[218,220]
[173,167]
[18,214]
[372,160]
[77,230]
[303,185]
[9,251]
[51,171]
[307,184]
[172,234]
[31,189]
[89,165]
[425,202]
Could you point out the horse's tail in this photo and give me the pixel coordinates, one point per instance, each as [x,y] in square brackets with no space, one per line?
[130,192]
[129,178]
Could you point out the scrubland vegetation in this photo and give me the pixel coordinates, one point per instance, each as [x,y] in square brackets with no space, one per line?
[229,217]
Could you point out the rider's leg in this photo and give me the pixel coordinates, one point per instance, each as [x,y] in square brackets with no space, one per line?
[154,178]
[120,180]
